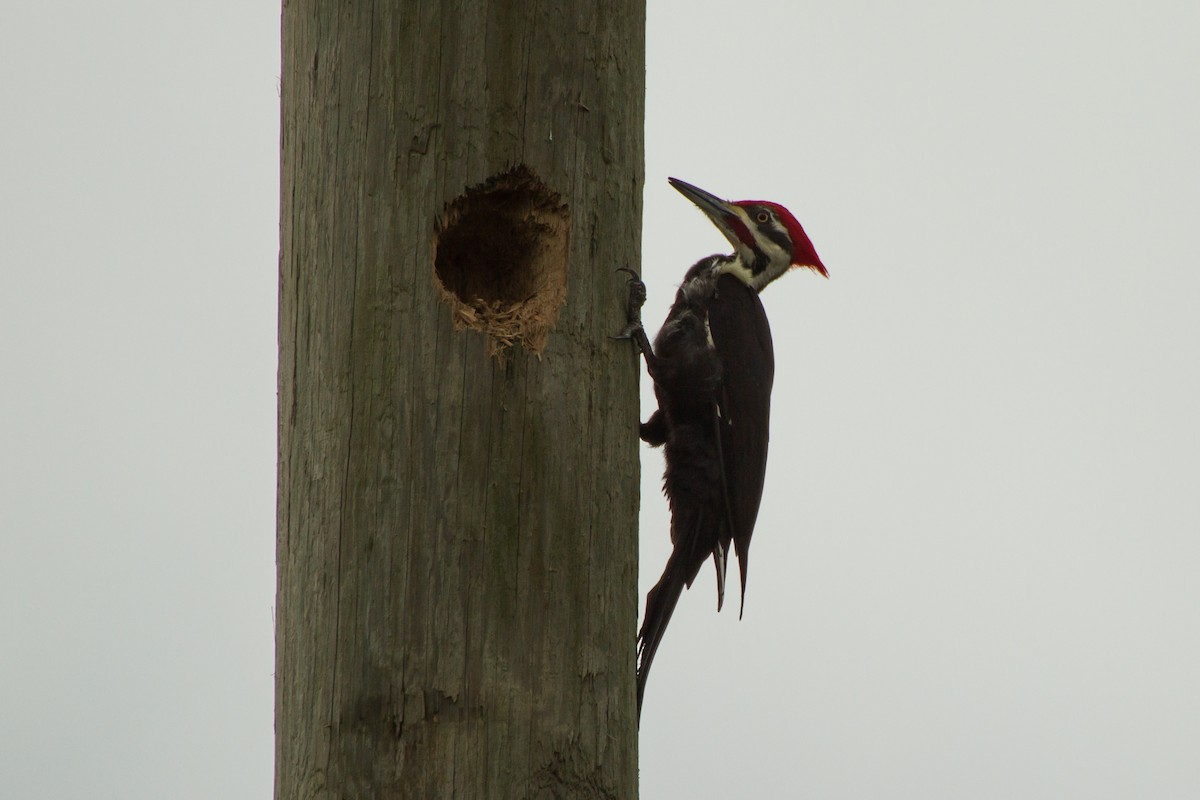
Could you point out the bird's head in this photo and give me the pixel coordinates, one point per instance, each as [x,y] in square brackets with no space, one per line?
[767,240]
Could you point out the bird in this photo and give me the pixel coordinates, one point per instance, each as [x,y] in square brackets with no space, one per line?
[713,365]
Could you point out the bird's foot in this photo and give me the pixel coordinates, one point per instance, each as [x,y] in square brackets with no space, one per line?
[633,307]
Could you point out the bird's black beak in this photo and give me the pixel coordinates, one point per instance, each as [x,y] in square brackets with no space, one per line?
[720,212]
[714,207]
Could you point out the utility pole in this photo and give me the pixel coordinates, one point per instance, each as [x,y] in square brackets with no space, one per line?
[458,452]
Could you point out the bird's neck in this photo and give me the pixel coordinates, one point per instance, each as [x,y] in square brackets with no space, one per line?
[752,268]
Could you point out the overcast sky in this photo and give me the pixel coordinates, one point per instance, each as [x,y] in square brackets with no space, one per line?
[977,568]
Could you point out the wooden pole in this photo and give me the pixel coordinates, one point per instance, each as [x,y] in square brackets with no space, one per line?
[457,513]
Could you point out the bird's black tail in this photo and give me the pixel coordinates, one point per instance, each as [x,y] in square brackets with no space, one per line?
[660,605]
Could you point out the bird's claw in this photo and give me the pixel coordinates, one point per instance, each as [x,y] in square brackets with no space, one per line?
[633,305]
[637,293]
[627,332]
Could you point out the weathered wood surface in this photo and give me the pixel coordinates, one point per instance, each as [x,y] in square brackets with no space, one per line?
[456,535]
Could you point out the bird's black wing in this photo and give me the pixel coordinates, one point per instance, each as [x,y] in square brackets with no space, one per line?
[742,338]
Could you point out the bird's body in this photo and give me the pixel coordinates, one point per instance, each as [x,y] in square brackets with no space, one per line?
[713,367]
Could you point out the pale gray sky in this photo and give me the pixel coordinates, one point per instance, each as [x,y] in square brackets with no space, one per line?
[975,571]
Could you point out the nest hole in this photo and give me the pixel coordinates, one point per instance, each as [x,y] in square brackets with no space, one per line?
[500,259]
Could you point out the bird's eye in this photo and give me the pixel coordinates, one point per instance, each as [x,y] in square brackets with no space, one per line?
[763,216]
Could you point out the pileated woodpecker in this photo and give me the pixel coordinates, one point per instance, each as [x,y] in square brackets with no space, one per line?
[712,365]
